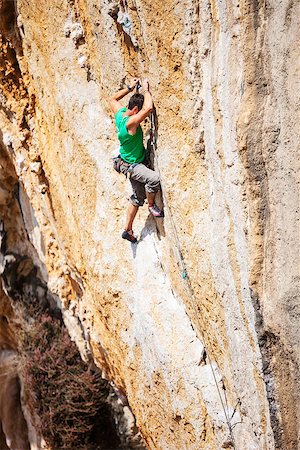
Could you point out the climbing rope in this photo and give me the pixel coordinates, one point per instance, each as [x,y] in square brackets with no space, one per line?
[185,276]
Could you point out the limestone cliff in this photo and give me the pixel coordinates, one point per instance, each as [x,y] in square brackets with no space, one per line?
[197,324]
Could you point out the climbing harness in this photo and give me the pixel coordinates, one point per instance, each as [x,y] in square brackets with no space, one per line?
[185,277]
[122,166]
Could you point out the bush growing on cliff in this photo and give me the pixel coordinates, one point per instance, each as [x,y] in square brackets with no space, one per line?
[69,397]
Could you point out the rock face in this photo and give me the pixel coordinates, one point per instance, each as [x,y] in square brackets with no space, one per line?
[13,430]
[197,324]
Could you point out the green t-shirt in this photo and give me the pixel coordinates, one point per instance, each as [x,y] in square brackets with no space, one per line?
[131,147]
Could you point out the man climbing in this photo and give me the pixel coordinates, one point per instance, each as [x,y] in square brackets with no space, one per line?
[144,181]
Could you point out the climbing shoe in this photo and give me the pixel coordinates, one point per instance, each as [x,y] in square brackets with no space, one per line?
[130,237]
[155,211]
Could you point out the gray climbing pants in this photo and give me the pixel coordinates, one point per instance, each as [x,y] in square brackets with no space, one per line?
[143,179]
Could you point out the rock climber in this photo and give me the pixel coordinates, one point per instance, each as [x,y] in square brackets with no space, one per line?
[132,159]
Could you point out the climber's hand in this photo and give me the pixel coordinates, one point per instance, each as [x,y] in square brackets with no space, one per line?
[137,118]
[145,85]
[114,103]
[133,83]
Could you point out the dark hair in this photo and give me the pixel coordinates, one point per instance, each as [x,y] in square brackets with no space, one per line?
[136,100]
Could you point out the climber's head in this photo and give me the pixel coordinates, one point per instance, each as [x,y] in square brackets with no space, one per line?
[136,103]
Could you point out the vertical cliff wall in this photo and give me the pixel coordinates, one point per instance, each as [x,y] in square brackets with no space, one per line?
[50,395]
[216,353]
[13,430]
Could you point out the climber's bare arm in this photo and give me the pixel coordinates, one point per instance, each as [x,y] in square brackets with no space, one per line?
[135,120]
[114,103]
